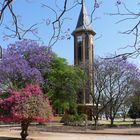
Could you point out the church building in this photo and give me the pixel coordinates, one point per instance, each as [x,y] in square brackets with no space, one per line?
[84,55]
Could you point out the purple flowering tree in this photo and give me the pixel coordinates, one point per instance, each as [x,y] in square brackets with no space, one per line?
[119,75]
[24,62]
[113,84]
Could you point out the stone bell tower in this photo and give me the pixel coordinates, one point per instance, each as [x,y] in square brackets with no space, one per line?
[84,54]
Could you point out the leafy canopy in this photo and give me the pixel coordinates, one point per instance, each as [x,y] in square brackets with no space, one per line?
[63,83]
[26,105]
[24,62]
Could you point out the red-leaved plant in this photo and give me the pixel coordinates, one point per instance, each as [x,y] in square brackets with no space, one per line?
[25,106]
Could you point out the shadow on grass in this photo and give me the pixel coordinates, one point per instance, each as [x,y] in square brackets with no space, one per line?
[9,138]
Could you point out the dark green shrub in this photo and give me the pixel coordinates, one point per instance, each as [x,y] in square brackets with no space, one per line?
[134,112]
[75,120]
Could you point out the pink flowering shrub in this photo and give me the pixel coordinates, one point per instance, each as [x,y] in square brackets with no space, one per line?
[25,106]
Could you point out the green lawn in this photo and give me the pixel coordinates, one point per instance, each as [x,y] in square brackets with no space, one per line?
[119,122]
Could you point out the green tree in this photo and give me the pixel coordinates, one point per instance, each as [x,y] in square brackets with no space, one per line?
[64,81]
[134,111]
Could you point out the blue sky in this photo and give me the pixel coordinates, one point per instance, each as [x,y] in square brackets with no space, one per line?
[105,26]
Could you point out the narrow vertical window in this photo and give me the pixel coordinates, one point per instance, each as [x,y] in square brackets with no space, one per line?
[79,53]
[80,48]
[0,52]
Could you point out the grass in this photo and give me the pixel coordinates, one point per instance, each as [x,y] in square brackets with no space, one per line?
[123,122]
[119,122]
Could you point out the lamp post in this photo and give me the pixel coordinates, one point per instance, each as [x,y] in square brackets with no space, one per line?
[0,52]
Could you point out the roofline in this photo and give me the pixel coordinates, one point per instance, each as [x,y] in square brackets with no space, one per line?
[83,31]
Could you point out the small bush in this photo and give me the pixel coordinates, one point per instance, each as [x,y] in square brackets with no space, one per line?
[75,120]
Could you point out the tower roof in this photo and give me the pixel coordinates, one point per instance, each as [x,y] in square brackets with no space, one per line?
[83,23]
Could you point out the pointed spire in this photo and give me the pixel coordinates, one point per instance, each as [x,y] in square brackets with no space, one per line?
[83,3]
[83,23]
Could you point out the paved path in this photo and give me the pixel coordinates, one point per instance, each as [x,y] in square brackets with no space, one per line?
[117,131]
[6,134]
[64,136]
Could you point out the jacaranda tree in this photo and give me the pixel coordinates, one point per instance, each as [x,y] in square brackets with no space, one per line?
[113,84]
[25,106]
[24,62]
[119,76]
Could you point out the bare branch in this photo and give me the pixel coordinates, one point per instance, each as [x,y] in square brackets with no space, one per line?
[134,31]
[5,4]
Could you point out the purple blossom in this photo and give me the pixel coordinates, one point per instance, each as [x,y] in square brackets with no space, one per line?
[123,67]
[25,62]
[36,55]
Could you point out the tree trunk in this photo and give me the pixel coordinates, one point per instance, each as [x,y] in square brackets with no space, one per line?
[95,124]
[24,128]
[134,122]
[124,118]
[112,121]
[106,116]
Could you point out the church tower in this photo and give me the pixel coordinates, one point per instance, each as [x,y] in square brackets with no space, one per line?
[84,52]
